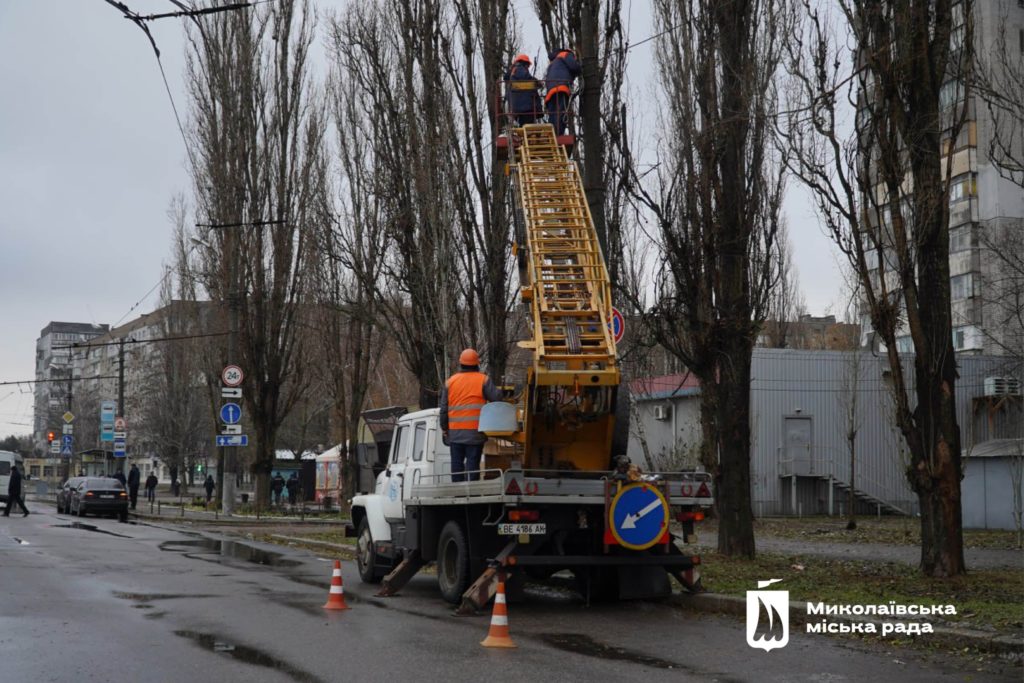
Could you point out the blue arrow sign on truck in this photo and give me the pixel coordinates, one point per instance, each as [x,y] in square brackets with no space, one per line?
[233,440]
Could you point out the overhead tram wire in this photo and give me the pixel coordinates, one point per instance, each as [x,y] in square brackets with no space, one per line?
[184,337]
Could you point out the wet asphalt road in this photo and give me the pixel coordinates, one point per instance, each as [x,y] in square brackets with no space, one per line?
[118,602]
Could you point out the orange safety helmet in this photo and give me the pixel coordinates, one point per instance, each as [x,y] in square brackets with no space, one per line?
[469,357]
[522,58]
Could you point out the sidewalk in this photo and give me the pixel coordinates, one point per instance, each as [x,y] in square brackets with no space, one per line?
[976,558]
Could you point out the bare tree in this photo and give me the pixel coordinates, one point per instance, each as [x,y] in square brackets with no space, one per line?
[850,397]
[786,301]
[907,95]
[261,173]
[716,212]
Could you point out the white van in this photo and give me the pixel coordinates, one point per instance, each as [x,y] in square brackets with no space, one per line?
[7,460]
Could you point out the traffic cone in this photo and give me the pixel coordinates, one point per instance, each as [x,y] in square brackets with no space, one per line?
[498,636]
[336,597]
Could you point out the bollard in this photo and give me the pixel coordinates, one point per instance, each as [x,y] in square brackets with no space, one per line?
[302,514]
[158,504]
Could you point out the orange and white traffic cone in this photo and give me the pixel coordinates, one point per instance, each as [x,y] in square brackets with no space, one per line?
[336,598]
[498,636]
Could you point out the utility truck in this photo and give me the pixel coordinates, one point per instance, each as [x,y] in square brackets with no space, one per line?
[550,497]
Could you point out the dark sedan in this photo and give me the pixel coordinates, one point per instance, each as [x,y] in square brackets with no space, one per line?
[64,494]
[100,496]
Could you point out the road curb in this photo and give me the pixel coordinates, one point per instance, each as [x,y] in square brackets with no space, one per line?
[348,551]
[234,520]
[948,637]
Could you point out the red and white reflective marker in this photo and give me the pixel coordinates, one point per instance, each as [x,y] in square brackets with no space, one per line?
[232,376]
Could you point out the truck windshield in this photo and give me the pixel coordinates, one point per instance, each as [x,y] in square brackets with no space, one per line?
[396,448]
[419,439]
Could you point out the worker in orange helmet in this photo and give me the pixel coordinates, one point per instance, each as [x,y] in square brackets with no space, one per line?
[563,68]
[464,394]
[524,103]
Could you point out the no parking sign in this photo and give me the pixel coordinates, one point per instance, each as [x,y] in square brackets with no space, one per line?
[617,325]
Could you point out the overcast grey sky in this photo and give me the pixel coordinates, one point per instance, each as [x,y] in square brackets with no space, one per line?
[90,157]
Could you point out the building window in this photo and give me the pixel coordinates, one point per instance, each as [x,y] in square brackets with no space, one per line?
[961,287]
[47,471]
[959,338]
[34,470]
[905,344]
[961,239]
[963,187]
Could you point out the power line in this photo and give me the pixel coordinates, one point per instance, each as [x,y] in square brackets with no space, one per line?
[89,344]
[59,380]
[204,10]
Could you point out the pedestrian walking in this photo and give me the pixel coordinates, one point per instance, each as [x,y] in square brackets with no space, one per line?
[562,71]
[14,493]
[464,394]
[521,94]
[209,485]
[151,482]
[276,487]
[134,477]
[293,488]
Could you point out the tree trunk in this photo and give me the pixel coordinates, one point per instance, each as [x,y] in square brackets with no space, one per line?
[735,513]
[851,497]
[590,119]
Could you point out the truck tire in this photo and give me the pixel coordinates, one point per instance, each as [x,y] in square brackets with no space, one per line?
[366,554]
[452,562]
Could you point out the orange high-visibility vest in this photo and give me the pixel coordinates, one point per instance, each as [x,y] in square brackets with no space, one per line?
[465,399]
[558,88]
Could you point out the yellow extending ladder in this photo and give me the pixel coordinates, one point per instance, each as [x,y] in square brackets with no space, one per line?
[567,283]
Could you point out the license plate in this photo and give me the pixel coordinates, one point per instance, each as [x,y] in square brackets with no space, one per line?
[109,495]
[528,529]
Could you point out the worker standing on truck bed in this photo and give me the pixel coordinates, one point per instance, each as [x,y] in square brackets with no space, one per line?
[464,394]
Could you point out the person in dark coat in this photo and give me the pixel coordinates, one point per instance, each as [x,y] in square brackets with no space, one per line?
[521,94]
[276,487]
[209,485]
[134,477]
[151,482]
[14,493]
[293,488]
[119,475]
[563,68]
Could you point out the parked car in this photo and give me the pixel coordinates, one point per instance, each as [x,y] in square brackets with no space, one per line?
[99,495]
[64,494]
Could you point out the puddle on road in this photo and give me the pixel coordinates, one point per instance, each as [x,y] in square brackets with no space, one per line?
[248,655]
[581,644]
[150,597]
[21,541]
[87,527]
[233,549]
[155,615]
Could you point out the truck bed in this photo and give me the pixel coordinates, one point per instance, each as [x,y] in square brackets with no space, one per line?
[549,487]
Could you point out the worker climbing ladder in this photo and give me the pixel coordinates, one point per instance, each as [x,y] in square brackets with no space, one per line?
[565,283]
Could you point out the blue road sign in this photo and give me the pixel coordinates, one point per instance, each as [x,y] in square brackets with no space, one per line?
[65,451]
[230,413]
[67,440]
[638,516]
[119,448]
[233,440]
[107,431]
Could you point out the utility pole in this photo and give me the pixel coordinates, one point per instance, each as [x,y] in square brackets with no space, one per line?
[227,453]
[120,390]
[71,374]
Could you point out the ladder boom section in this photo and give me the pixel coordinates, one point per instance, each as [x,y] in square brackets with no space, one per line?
[567,283]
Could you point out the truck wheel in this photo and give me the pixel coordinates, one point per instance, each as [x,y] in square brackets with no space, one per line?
[452,562]
[366,554]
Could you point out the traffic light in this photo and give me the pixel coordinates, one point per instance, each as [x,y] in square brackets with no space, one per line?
[50,436]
